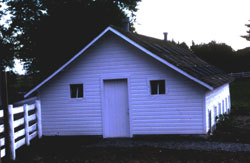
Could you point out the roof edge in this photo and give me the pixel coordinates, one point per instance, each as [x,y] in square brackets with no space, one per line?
[129,41]
[67,63]
[161,60]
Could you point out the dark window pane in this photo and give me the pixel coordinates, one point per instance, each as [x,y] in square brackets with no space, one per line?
[161,86]
[72,91]
[157,87]
[153,85]
[76,90]
[80,91]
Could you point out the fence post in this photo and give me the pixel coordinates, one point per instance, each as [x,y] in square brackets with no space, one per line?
[26,124]
[11,133]
[38,117]
[5,101]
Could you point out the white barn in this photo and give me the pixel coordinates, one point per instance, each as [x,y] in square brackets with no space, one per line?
[123,84]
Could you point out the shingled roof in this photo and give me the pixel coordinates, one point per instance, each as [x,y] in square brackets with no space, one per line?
[178,58]
[182,58]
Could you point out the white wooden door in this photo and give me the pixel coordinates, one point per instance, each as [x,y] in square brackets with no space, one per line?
[116,111]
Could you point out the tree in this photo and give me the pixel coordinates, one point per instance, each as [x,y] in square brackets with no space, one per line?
[6,47]
[218,54]
[51,32]
[247,37]
[6,55]
[242,59]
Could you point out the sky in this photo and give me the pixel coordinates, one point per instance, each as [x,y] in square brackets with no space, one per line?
[199,20]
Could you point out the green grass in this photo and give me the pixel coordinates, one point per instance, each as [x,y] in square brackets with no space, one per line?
[240,96]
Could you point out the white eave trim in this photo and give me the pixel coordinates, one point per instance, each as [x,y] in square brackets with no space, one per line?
[131,42]
[161,60]
[67,63]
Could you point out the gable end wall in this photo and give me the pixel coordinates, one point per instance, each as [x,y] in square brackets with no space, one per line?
[180,111]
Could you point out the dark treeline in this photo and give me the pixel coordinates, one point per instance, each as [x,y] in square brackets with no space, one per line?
[44,34]
[223,56]
[18,85]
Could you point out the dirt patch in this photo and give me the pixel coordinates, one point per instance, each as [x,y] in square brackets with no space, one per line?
[81,154]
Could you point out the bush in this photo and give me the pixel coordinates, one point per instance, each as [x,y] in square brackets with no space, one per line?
[224,128]
[224,122]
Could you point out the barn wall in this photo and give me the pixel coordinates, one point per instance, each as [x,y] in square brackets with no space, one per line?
[218,101]
[180,111]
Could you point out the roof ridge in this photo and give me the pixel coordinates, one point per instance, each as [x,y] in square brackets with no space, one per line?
[168,42]
[164,54]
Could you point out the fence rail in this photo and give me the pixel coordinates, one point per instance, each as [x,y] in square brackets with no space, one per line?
[240,74]
[24,125]
[2,130]
[26,101]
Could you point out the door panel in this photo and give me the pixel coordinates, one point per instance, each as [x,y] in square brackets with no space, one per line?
[116,112]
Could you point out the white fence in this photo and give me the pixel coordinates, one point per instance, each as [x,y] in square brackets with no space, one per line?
[240,74]
[2,140]
[26,132]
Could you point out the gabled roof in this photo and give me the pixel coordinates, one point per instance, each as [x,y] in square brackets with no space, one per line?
[177,58]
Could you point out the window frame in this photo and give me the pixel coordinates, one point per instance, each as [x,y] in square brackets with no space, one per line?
[215,111]
[219,109]
[223,107]
[158,90]
[226,104]
[83,90]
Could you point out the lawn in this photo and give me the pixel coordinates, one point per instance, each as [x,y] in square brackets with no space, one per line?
[75,150]
[240,96]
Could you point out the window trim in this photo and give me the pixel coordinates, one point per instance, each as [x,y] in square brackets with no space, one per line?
[215,113]
[223,106]
[83,91]
[157,79]
[219,108]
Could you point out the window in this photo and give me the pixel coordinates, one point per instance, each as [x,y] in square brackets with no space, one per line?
[220,109]
[157,87]
[215,113]
[76,90]
[226,105]
[223,107]
[229,104]
[209,121]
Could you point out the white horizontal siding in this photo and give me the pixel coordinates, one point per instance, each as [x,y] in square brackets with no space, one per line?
[213,98]
[180,111]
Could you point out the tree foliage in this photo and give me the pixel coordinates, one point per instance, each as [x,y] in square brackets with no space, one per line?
[218,54]
[247,36]
[223,56]
[48,33]
[6,47]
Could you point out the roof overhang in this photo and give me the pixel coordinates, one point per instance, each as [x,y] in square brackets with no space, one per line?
[129,41]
